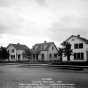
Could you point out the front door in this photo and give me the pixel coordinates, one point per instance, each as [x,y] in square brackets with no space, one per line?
[43,57]
[36,57]
[19,57]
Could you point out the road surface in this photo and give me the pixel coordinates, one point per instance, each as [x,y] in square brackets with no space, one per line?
[12,75]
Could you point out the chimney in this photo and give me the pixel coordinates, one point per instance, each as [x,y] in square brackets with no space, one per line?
[45,41]
[78,35]
[18,43]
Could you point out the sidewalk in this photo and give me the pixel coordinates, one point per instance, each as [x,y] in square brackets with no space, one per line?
[74,67]
[68,67]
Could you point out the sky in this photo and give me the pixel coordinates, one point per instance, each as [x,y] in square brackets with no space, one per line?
[35,21]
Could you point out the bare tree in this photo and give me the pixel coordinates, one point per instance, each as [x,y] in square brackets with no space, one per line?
[67,50]
[60,53]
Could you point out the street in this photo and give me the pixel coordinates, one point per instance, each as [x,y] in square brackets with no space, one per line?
[11,75]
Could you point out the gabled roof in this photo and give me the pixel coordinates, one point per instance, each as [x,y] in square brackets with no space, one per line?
[78,36]
[43,46]
[18,46]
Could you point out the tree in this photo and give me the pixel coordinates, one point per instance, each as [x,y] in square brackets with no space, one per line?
[60,53]
[27,53]
[4,54]
[67,50]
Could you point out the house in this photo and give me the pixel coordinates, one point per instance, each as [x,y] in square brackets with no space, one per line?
[46,51]
[79,46]
[16,51]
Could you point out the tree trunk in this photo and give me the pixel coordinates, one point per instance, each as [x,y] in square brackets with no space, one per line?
[68,58]
[60,58]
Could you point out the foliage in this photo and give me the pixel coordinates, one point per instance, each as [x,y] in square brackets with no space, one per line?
[3,53]
[27,53]
[60,53]
[67,50]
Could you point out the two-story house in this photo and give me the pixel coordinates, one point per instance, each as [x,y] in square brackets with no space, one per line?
[46,51]
[16,51]
[79,46]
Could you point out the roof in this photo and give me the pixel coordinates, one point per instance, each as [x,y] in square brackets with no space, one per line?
[78,36]
[42,47]
[18,46]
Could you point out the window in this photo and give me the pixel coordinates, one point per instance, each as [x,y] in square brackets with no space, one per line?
[12,50]
[81,45]
[52,48]
[8,51]
[82,55]
[19,57]
[87,54]
[55,55]
[37,57]
[74,55]
[73,39]
[33,55]
[12,56]
[78,46]
[43,57]
[78,56]
[50,55]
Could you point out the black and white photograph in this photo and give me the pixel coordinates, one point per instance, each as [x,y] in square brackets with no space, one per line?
[43,43]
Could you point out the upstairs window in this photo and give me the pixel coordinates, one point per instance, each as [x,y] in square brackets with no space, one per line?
[81,45]
[72,39]
[78,46]
[52,48]
[12,50]
[55,55]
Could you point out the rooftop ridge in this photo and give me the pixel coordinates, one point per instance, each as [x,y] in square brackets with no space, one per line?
[78,36]
[18,46]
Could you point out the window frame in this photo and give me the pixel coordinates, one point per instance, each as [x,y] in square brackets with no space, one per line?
[55,55]
[12,50]
[80,45]
[50,55]
[79,56]
[76,46]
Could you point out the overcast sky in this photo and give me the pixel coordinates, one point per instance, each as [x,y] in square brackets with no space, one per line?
[34,21]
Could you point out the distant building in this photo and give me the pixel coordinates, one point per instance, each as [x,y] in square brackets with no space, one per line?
[16,51]
[46,51]
[79,45]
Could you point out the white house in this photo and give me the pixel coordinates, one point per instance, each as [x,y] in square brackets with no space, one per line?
[79,45]
[46,51]
[16,51]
